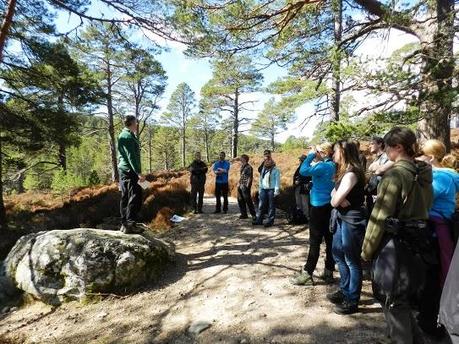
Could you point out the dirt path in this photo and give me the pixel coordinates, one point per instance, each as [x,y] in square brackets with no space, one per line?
[229,274]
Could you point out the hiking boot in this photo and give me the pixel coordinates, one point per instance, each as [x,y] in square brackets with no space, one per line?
[346,307]
[139,227]
[255,222]
[131,228]
[336,297]
[242,217]
[268,224]
[217,211]
[303,278]
[327,276]
[124,229]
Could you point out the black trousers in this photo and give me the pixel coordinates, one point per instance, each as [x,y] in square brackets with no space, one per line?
[319,220]
[197,196]
[221,190]
[244,199]
[131,197]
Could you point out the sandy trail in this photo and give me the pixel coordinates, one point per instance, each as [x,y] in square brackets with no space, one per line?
[228,273]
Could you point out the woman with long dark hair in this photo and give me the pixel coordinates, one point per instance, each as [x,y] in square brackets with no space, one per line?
[348,225]
[396,238]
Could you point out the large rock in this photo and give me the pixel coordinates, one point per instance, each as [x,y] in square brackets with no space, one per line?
[63,265]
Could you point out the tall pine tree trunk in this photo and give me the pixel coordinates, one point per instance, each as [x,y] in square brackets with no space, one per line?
[337,8]
[235,130]
[62,154]
[437,94]
[183,147]
[6,24]
[150,144]
[206,145]
[3,221]
[111,126]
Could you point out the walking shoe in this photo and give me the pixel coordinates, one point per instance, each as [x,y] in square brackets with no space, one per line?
[131,229]
[346,307]
[217,211]
[327,276]
[255,222]
[241,217]
[124,229]
[303,278]
[268,224]
[139,228]
[336,297]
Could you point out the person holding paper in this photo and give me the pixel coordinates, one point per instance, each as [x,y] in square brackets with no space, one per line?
[221,169]
[130,177]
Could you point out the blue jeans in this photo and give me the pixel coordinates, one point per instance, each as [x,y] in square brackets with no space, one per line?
[346,248]
[266,204]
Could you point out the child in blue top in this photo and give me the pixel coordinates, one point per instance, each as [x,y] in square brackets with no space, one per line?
[323,174]
[221,170]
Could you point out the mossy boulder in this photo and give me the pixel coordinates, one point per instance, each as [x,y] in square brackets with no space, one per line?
[63,265]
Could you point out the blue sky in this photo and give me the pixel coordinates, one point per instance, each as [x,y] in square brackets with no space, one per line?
[196,72]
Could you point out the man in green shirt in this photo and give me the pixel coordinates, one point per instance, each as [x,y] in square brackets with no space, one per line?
[130,174]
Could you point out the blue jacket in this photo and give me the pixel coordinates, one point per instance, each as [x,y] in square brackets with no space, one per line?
[322,175]
[445,186]
[222,178]
[274,180]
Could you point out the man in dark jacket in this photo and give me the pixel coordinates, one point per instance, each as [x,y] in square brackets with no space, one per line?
[198,169]
[244,197]
[130,175]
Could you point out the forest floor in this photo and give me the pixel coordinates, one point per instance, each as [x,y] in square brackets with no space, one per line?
[229,274]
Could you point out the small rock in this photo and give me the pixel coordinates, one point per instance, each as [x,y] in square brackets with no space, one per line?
[198,326]
[102,315]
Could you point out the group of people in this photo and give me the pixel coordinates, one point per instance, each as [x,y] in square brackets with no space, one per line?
[398,214]
[268,188]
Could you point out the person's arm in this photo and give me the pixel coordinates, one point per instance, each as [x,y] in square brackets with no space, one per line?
[127,147]
[249,176]
[347,183]
[214,168]
[389,191]
[384,168]
[307,169]
[277,182]
[204,168]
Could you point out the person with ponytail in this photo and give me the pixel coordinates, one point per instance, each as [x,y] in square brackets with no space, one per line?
[396,238]
[348,225]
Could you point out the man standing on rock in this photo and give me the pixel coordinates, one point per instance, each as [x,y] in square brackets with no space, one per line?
[221,169]
[244,197]
[130,174]
[198,169]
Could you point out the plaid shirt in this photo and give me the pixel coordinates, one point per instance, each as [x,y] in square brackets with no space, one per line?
[246,176]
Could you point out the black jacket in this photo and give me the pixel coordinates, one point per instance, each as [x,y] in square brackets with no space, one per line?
[198,171]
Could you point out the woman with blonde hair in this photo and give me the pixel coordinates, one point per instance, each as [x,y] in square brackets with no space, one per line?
[445,186]
[322,174]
